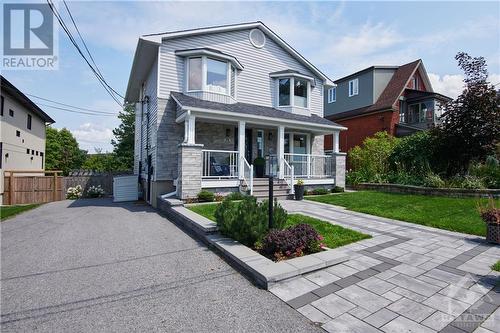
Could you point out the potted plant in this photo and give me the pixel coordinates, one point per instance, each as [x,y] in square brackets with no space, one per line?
[491,216]
[299,189]
[259,164]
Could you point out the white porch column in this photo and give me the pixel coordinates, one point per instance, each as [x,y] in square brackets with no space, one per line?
[189,128]
[336,142]
[281,151]
[241,147]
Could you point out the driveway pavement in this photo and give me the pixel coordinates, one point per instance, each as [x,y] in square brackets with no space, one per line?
[91,265]
[406,278]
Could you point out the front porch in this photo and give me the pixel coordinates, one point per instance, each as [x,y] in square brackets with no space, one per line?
[228,152]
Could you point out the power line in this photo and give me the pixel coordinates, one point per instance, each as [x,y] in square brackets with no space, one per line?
[103,83]
[71,106]
[75,111]
[87,49]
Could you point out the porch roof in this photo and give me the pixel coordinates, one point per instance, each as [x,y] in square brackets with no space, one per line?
[262,112]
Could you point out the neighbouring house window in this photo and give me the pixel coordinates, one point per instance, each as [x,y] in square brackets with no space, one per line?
[32,152]
[415,82]
[11,113]
[2,102]
[421,112]
[216,76]
[28,151]
[284,92]
[300,93]
[28,124]
[353,87]
[18,133]
[195,73]
[332,95]
[260,143]
[401,112]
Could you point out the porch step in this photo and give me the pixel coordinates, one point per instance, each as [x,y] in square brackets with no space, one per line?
[261,188]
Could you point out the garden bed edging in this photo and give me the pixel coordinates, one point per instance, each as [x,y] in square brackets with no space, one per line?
[411,189]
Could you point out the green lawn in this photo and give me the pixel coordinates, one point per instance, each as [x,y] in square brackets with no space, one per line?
[333,235]
[455,214]
[9,211]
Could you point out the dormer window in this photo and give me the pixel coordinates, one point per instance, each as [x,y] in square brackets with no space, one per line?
[293,91]
[353,87]
[211,71]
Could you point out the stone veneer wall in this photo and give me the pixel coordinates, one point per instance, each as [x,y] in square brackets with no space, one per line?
[339,168]
[189,166]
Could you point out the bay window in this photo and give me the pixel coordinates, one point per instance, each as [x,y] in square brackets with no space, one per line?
[212,75]
[293,92]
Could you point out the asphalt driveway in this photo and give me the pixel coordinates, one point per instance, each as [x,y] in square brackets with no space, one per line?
[92,265]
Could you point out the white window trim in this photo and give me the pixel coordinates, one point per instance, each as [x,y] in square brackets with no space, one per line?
[330,94]
[204,76]
[292,92]
[355,87]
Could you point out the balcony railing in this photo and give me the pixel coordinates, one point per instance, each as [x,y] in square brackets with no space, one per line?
[220,164]
[310,166]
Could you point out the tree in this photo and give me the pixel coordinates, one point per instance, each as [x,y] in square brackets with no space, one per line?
[470,128]
[62,151]
[102,162]
[125,137]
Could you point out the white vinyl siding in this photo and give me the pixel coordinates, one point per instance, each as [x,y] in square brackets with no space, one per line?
[253,82]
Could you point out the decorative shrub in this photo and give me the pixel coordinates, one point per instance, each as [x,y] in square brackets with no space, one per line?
[235,196]
[320,191]
[218,197]
[433,180]
[300,182]
[205,196]
[471,182]
[74,192]
[247,221]
[95,192]
[403,178]
[490,213]
[291,242]
[489,172]
[337,189]
[412,154]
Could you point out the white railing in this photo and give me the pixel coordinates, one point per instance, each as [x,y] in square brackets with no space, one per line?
[289,175]
[310,166]
[247,174]
[220,164]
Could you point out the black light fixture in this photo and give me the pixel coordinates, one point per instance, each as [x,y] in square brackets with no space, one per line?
[270,136]
[228,135]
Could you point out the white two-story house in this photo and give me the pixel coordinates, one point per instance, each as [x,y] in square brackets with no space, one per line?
[219,108]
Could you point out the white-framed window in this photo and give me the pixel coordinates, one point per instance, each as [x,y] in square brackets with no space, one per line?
[294,92]
[209,74]
[332,95]
[415,82]
[353,87]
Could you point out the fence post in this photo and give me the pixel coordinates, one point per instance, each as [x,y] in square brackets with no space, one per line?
[11,188]
[55,186]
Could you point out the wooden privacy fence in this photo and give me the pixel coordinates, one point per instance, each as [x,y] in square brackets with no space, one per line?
[26,189]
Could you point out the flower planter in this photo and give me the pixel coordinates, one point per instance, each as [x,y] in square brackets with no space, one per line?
[493,233]
[299,192]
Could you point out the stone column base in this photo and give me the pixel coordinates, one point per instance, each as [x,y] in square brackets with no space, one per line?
[339,160]
[189,170]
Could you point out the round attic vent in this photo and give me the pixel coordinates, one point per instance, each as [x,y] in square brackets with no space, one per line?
[257,38]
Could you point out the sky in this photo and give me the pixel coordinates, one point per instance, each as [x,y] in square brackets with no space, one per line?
[338,37]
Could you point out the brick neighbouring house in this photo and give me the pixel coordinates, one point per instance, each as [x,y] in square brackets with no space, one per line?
[396,99]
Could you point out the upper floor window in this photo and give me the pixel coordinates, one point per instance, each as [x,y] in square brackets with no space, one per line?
[332,95]
[28,122]
[11,112]
[293,91]
[2,102]
[414,82]
[208,74]
[353,87]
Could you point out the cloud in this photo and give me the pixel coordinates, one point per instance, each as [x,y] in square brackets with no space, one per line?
[453,85]
[90,136]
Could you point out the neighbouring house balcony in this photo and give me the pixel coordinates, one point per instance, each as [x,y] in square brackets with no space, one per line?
[228,146]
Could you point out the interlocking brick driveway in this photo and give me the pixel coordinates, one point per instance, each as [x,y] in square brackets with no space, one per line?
[407,278]
[95,266]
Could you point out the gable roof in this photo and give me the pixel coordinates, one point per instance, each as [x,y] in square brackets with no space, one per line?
[389,96]
[191,103]
[24,100]
[156,39]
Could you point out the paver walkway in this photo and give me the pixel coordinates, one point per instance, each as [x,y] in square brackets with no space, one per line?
[96,266]
[407,278]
